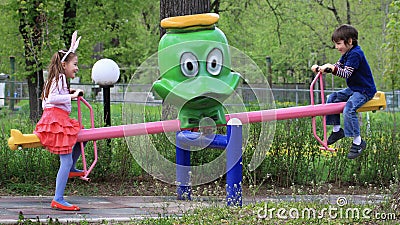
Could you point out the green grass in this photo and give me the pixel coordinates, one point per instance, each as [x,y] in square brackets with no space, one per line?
[294,163]
[282,213]
[269,213]
[293,158]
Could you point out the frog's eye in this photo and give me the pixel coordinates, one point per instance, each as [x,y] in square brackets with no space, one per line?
[189,64]
[214,61]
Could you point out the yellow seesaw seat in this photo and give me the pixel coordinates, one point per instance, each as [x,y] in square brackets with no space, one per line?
[20,140]
[378,102]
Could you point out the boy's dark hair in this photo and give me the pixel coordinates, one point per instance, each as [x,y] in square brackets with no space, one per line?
[345,32]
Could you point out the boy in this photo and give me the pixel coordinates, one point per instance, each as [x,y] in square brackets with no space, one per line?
[352,66]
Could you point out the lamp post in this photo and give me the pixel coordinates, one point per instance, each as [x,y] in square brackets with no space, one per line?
[12,91]
[105,73]
[269,70]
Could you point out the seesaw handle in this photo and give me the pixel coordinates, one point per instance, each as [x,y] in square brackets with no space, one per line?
[313,119]
[85,169]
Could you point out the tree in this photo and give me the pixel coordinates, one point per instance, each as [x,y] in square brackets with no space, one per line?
[31,20]
[296,33]
[123,31]
[169,8]
[37,27]
[69,18]
[392,47]
[291,32]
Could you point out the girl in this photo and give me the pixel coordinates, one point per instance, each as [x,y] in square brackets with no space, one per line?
[56,130]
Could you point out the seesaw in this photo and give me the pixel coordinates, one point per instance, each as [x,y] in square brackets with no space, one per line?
[20,141]
[200,93]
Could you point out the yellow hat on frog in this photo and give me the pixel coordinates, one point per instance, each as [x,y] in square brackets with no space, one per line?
[197,20]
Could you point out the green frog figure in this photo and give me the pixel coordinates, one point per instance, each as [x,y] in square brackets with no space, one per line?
[194,64]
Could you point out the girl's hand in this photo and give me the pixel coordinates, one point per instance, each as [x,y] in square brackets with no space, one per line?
[77,93]
[314,68]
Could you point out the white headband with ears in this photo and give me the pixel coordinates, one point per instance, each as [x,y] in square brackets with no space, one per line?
[74,45]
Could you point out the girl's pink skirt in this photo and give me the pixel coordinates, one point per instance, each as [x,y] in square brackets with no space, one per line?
[57,131]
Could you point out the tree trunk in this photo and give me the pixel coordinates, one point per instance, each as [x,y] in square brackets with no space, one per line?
[69,21]
[35,84]
[30,27]
[31,23]
[169,8]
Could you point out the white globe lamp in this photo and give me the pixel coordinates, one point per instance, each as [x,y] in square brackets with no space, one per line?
[105,72]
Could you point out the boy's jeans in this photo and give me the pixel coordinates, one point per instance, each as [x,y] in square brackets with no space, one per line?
[354,101]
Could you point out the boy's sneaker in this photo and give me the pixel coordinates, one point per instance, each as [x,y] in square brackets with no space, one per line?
[335,136]
[356,150]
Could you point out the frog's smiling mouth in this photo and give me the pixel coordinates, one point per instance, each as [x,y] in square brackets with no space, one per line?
[207,96]
[197,93]
[206,100]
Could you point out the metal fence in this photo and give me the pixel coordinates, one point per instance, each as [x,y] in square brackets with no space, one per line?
[292,94]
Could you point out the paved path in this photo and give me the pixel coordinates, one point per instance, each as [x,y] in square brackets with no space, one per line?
[126,208]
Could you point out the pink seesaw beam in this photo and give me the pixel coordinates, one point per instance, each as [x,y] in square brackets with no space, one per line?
[288,113]
[93,134]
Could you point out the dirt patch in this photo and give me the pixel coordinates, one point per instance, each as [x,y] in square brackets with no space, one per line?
[148,186]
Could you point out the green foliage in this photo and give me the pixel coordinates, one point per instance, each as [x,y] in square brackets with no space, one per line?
[392,47]
[28,166]
[296,212]
[296,34]
[126,31]
[11,44]
[293,159]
